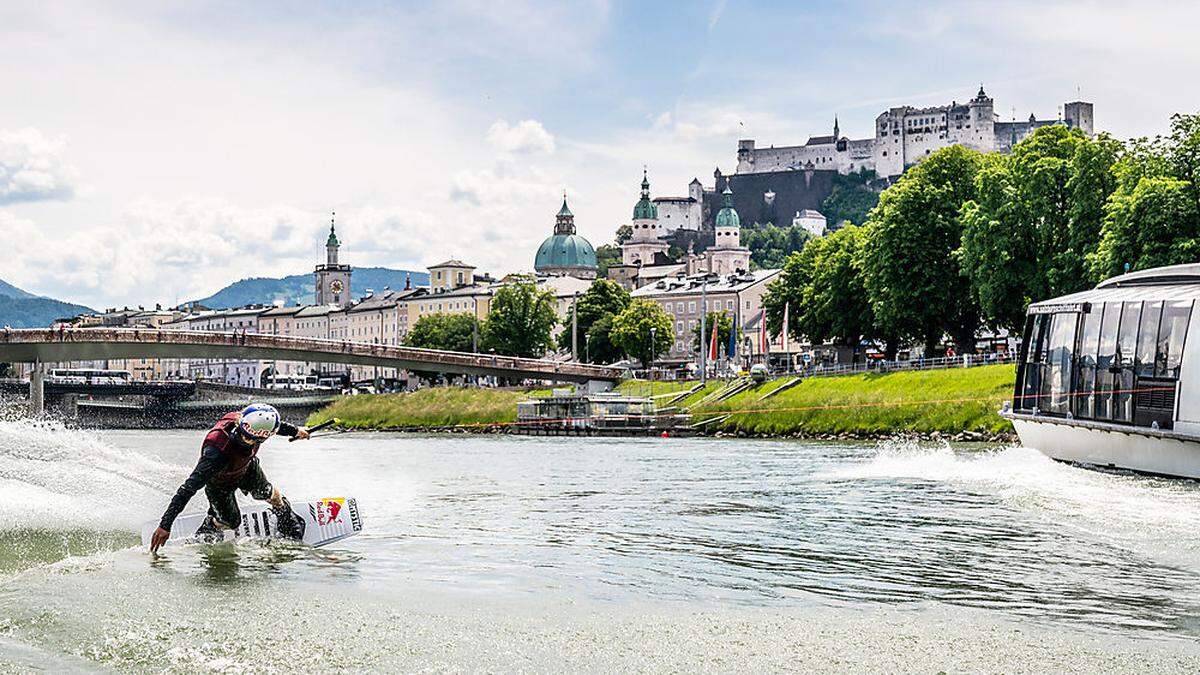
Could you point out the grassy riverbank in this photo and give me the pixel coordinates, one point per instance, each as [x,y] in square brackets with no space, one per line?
[946,402]
[425,408]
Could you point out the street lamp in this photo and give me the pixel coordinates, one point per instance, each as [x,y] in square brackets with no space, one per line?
[703,326]
[650,354]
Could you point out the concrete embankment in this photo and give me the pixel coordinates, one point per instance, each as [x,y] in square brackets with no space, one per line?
[957,404]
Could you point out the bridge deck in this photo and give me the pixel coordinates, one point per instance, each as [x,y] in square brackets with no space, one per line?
[48,345]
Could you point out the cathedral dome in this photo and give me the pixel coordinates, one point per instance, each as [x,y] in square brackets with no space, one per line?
[565,252]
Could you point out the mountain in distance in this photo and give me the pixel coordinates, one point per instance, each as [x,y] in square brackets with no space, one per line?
[298,288]
[9,291]
[21,309]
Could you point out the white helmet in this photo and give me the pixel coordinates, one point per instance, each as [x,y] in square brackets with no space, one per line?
[259,421]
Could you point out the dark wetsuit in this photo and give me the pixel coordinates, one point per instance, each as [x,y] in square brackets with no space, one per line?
[227,464]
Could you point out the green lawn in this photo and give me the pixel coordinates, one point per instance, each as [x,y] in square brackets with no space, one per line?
[430,407]
[945,401]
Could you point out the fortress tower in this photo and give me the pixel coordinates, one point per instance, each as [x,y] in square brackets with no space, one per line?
[1078,115]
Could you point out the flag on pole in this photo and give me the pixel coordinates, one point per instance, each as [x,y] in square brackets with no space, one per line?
[762,332]
[785,327]
[731,350]
[712,349]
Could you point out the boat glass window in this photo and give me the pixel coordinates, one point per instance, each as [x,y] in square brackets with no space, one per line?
[1126,348]
[1171,333]
[1105,359]
[1031,383]
[1147,336]
[1059,348]
[1085,370]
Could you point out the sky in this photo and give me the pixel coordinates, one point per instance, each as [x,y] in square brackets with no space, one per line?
[156,152]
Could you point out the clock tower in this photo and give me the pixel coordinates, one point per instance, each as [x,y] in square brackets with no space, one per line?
[332,278]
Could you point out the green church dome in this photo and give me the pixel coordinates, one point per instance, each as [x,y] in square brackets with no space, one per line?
[645,209]
[561,252]
[728,216]
[564,251]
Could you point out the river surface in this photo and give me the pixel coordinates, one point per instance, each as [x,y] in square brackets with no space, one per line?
[548,554]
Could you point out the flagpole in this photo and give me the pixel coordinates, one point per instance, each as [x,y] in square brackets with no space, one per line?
[787,352]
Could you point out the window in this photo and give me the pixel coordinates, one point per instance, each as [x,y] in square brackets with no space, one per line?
[1105,358]
[1058,358]
[1147,333]
[1085,369]
[1124,359]
[691,306]
[1171,334]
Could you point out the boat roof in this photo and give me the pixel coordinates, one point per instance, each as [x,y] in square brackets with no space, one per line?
[1176,282]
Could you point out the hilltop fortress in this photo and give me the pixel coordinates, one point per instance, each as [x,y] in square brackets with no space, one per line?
[903,136]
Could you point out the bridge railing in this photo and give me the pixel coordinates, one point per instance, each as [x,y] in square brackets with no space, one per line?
[315,346]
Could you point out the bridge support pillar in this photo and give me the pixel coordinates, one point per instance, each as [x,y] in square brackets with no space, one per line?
[37,390]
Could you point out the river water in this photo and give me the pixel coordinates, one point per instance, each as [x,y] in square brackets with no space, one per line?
[550,554]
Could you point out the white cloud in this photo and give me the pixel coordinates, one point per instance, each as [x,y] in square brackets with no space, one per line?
[32,167]
[714,16]
[526,136]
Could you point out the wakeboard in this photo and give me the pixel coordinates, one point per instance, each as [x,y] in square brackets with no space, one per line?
[325,521]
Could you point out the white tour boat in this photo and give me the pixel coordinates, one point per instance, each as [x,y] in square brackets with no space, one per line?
[1108,377]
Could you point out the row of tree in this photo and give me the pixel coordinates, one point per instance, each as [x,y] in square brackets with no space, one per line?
[520,322]
[966,240]
[522,318]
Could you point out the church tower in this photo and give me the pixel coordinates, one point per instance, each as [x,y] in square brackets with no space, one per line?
[332,278]
[647,232]
[727,255]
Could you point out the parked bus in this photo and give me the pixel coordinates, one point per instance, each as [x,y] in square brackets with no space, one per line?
[88,376]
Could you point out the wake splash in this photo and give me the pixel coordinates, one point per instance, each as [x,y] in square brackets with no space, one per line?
[55,478]
[1158,517]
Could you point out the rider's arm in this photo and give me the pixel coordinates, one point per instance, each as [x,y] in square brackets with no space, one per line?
[286,429]
[211,462]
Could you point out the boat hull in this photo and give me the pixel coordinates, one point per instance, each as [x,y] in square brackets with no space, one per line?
[1112,446]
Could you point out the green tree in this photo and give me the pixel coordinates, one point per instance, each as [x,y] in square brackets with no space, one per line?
[771,245]
[724,328]
[1153,216]
[607,255]
[1155,225]
[822,286]
[631,331]
[624,233]
[999,254]
[603,298]
[851,199]
[911,268]
[1183,155]
[600,347]
[1035,219]
[455,332]
[520,321]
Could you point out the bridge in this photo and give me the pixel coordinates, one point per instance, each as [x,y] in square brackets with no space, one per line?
[58,345]
[163,390]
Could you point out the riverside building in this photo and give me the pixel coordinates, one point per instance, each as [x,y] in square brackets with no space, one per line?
[687,298]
